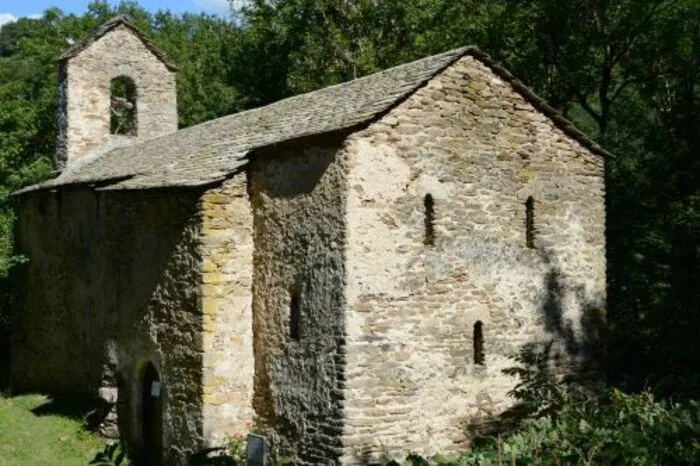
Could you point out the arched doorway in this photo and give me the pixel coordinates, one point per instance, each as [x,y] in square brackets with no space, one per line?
[152,417]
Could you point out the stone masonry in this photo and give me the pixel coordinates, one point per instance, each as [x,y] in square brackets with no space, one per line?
[128,278]
[480,150]
[350,270]
[397,373]
[227,327]
[85,90]
[113,280]
[298,197]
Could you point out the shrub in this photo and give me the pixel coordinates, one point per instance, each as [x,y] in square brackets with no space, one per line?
[612,429]
[112,455]
[566,426]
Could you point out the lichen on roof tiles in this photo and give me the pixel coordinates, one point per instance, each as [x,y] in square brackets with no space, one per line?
[200,154]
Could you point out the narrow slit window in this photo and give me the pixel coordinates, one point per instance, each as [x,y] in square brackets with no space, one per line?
[530,223]
[479,355]
[123,107]
[294,317]
[429,205]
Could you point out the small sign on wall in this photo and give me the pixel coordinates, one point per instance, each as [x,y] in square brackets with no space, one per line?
[156,388]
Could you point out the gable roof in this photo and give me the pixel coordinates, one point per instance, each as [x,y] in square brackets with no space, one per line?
[110,25]
[211,151]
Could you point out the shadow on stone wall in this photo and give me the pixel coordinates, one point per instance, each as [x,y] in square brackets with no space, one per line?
[122,265]
[299,272]
[573,359]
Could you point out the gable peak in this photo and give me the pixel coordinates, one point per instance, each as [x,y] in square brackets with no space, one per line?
[106,28]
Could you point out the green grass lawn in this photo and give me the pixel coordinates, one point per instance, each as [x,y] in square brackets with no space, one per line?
[36,430]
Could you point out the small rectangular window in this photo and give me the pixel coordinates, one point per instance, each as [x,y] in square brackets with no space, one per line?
[429,205]
[478,337]
[294,317]
[530,223]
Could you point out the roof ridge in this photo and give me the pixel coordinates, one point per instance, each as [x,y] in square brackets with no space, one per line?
[458,52]
[108,26]
[455,53]
[200,153]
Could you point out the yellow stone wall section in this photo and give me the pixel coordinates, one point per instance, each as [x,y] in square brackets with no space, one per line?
[227,336]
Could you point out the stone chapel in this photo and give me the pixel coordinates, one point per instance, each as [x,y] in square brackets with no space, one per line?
[350,269]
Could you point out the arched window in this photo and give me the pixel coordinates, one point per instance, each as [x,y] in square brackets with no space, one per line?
[530,222]
[123,107]
[478,337]
[429,205]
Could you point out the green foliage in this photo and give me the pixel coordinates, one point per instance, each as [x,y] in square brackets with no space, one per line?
[231,453]
[112,455]
[33,432]
[564,426]
[614,428]
[236,448]
[292,46]
[535,391]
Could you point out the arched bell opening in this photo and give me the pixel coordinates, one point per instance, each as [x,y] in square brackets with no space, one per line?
[123,107]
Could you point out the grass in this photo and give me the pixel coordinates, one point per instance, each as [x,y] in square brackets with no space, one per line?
[37,430]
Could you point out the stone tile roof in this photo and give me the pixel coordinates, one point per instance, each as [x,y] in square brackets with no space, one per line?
[211,151]
[113,23]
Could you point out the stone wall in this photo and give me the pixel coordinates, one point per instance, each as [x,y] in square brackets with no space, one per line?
[227,269]
[479,150]
[352,279]
[298,197]
[85,89]
[113,281]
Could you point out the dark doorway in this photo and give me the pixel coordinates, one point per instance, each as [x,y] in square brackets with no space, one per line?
[152,417]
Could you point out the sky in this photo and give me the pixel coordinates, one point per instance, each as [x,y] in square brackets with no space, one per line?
[10,10]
